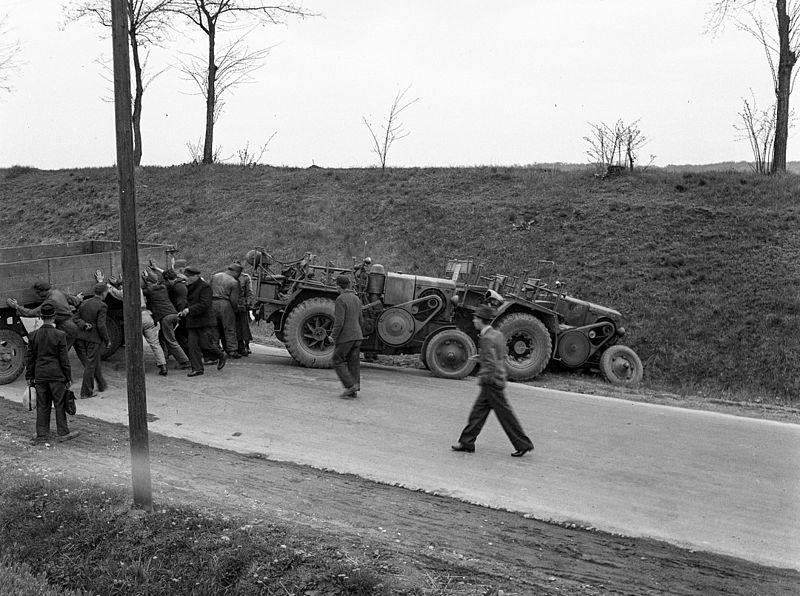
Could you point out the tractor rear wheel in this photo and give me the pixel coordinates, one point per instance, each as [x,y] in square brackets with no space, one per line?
[12,355]
[450,354]
[529,345]
[306,331]
[621,366]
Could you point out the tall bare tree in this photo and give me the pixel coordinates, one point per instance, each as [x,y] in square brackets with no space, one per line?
[10,51]
[148,25]
[781,42]
[213,16]
[392,130]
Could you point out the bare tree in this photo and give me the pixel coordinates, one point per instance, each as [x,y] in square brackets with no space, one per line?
[758,129]
[781,43]
[10,51]
[213,16]
[392,130]
[148,25]
[615,146]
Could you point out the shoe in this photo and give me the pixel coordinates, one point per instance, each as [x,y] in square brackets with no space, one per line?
[102,388]
[243,353]
[209,361]
[185,366]
[68,436]
[349,393]
[39,440]
[521,452]
[462,447]
[195,373]
[91,395]
[234,355]
[162,370]
[221,363]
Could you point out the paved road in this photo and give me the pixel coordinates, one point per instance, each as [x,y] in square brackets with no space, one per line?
[702,480]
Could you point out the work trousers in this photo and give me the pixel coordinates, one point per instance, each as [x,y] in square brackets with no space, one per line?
[89,354]
[347,364]
[68,326]
[243,334]
[168,340]
[493,398]
[201,340]
[225,328]
[150,332]
[50,394]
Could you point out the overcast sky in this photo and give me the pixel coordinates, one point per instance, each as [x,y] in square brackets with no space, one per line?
[509,82]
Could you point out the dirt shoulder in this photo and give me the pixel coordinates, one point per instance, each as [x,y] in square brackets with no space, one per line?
[441,545]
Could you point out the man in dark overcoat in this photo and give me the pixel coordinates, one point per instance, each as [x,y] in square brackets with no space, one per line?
[47,369]
[492,380]
[200,322]
[346,337]
[90,341]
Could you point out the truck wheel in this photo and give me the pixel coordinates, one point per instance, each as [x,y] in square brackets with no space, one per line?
[621,366]
[306,329]
[529,345]
[12,355]
[449,354]
[115,335]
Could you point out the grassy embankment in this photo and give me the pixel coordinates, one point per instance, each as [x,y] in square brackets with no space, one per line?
[703,265]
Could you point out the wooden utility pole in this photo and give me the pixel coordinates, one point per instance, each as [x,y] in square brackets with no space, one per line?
[131,291]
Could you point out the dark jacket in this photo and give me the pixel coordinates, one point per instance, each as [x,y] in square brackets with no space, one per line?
[347,318]
[199,305]
[158,301]
[178,294]
[492,358]
[46,359]
[93,310]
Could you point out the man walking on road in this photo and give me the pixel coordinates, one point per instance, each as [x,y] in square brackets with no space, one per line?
[47,368]
[492,379]
[200,322]
[346,337]
[91,341]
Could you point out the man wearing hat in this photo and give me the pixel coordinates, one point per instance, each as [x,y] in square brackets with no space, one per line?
[492,379]
[47,368]
[200,322]
[346,336]
[224,302]
[63,304]
[91,341]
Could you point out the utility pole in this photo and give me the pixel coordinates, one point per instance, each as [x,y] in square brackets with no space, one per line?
[131,292]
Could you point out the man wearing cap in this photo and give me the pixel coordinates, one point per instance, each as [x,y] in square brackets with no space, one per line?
[47,368]
[243,334]
[200,322]
[224,302]
[346,336]
[63,303]
[166,316]
[492,379]
[90,342]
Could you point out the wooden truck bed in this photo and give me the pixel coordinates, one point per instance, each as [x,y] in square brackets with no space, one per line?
[68,266]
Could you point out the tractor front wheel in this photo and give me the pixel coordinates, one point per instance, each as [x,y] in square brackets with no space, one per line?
[529,345]
[621,366]
[306,331]
[450,354]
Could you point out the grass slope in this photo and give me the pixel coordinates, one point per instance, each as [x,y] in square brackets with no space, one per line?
[703,265]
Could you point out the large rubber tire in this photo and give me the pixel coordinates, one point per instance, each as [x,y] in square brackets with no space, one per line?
[450,354]
[621,366]
[12,355]
[116,336]
[307,327]
[529,345]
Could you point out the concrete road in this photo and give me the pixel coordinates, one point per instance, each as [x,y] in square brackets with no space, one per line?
[702,480]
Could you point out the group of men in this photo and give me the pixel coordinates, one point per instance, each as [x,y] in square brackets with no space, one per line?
[183,316]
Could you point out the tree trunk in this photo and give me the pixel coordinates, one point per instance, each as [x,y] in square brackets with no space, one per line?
[137,100]
[786,62]
[208,147]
